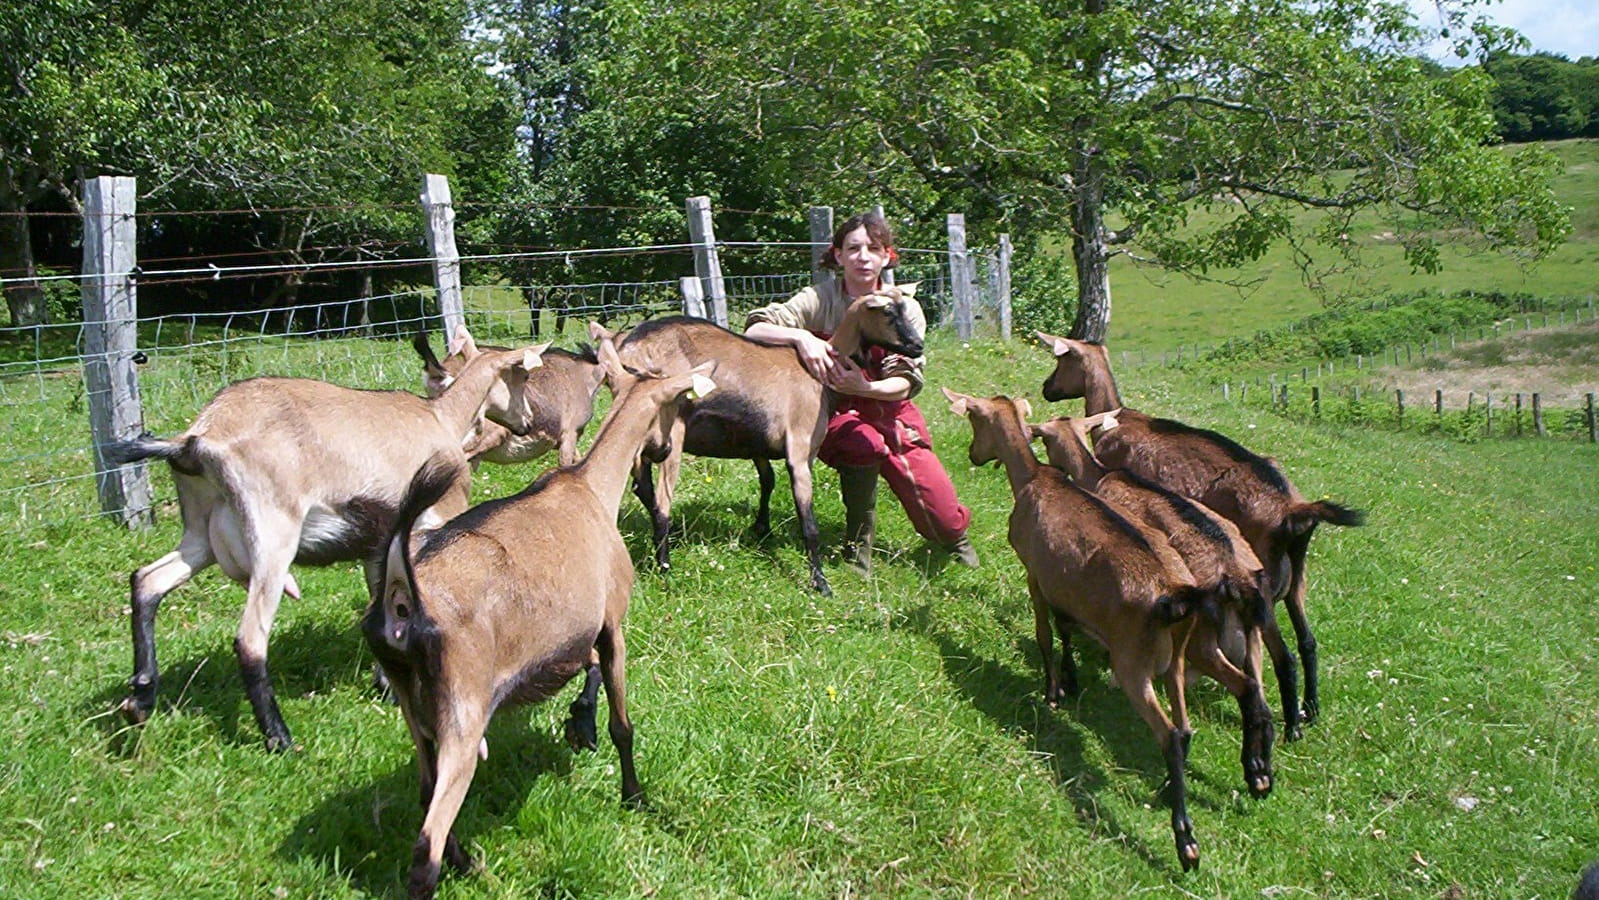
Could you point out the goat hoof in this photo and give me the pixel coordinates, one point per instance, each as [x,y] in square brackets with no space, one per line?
[1188,855]
[819,585]
[581,735]
[282,743]
[133,711]
[1259,785]
[1292,732]
[1311,711]
[458,858]
[636,802]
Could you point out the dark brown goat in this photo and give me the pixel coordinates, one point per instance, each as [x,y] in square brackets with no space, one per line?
[560,395]
[1090,567]
[1217,557]
[1248,489]
[496,608]
[767,407]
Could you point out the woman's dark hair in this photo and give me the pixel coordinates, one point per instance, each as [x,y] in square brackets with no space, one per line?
[876,229]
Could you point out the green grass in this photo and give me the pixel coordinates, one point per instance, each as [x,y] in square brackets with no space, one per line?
[1155,311]
[887,741]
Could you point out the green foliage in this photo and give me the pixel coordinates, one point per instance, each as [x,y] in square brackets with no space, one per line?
[1043,293]
[1544,97]
[1369,329]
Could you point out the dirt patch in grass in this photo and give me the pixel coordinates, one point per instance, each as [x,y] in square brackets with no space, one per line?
[1559,363]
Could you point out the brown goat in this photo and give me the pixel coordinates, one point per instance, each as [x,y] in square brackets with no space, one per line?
[1248,489]
[560,394]
[277,471]
[1218,558]
[1090,567]
[495,608]
[767,407]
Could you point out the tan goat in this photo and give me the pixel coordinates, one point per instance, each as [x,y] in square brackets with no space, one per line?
[1216,556]
[1249,490]
[506,602]
[277,471]
[560,394]
[767,407]
[1090,567]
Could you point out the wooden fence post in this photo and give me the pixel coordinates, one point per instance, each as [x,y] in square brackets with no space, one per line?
[1537,415]
[1002,286]
[440,211]
[693,296]
[1593,426]
[111,337]
[1488,413]
[960,283]
[706,263]
[888,274]
[1438,401]
[821,219]
[1518,415]
[1399,402]
[1315,400]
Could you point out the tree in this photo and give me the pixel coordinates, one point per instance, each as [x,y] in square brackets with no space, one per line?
[319,117]
[1110,122]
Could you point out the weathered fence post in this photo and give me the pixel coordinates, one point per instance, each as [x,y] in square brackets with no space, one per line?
[960,283]
[1315,400]
[1226,391]
[440,211]
[111,337]
[693,296]
[1438,402]
[1002,286]
[706,263]
[1488,413]
[1284,402]
[1518,415]
[1537,415]
[1593,426]
[888,274]
[1399,402]
[821,219]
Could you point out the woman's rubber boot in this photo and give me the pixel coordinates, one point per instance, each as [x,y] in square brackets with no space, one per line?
[858,485]
[963,552]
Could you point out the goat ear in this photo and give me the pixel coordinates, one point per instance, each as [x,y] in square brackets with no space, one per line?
[957,402]
[1057,345]
[699,386]
[1035,431]
[461,342]
[610,362]
[533,357]
[598,333]
[1108,420]
[879,301]
[1023,407]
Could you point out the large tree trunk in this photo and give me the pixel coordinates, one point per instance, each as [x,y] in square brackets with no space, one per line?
[25,298]
[1091,256]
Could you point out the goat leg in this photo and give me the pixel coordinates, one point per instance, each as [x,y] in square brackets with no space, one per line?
[799,476]
[762,526]
[456,763]
[1295,601]
[581,731]
[147,587]
[1286,667]
[266,591]
[613,668]
[1182,827]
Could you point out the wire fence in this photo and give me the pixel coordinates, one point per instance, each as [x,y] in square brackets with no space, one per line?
[182,359]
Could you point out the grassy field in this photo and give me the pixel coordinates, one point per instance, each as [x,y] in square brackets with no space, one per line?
[1158,311]
[889,741]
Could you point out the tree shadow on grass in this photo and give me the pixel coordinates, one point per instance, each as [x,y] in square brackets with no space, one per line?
[305,657]
[364,833]
[1016,704]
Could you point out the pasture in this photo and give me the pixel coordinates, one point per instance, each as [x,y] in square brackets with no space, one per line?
[888,741]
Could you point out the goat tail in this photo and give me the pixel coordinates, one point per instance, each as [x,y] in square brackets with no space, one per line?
[1307,515]
[1184,602]
[396,615]
[183,455]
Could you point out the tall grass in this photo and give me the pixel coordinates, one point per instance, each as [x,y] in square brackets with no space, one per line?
[887,741]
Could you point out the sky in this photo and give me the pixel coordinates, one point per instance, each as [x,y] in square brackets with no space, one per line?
[1567,27]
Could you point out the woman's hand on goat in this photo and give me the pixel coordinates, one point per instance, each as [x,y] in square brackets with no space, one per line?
[818,357]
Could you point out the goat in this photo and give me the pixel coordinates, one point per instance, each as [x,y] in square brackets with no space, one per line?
[1216,556]
[494,607]
[768,407]
[1249,490]
[560,394]
[275,471]
[1090,567]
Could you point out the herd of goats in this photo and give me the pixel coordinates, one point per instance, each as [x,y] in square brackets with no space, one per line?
[1168,544]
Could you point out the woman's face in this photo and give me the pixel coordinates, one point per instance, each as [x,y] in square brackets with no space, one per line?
[862,261]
